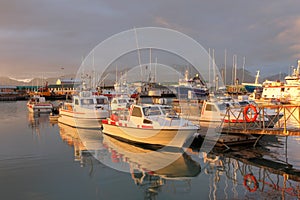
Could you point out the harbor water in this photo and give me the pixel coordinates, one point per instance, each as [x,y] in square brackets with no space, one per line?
[40,159]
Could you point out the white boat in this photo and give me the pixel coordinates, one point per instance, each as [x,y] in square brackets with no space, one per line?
[243,111]
[217,111]
[85,111]
[278,91]
[288,92]
[38,104]
[156,125]
[294,79]
[121,102]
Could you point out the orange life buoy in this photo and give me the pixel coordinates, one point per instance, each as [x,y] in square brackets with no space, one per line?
[251,118]
[250,178]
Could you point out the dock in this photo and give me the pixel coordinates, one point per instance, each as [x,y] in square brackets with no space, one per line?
[285,122]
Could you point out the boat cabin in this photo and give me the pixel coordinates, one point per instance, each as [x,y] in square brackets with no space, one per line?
[215,111]
[122,102]
[86,99]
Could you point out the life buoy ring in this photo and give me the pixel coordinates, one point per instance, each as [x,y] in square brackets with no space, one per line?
[249,178]
[252,118]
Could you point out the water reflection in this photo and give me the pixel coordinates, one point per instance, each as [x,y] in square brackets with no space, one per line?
[238,174]
[36,122]
[146,167]
[244,173]
[150,169]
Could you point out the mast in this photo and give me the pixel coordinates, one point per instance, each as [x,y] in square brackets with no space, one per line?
[139,54]
[214,69]
[257,76]
[232,70]
[244,61]
[209,67]
[225,66]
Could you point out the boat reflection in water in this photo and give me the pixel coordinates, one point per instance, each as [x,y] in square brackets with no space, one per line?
[152,169]
[173,164]
[241,173]
[147,168]
[86,142]
[37,121]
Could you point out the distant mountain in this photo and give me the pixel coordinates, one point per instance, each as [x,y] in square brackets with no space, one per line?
[34,81]
[249,77]
[8,81]
[276,77]
[110,78]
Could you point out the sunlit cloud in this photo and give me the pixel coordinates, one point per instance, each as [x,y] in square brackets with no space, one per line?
[163,22]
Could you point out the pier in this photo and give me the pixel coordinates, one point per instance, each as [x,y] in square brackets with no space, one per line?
[271,119]
[286,125]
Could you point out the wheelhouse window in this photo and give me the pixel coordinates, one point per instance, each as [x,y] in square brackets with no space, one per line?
[136,112]
[122,101]
[87,102]
[168,110]
[148,111]
[210,107]
[101,101]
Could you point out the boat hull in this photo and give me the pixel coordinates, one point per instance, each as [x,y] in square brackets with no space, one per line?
[157,137]
[81,120]
[251,88]
[39,109]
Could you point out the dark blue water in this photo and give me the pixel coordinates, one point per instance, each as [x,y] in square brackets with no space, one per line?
[43,160]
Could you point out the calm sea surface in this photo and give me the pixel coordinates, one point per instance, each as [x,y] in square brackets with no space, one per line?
[43,160]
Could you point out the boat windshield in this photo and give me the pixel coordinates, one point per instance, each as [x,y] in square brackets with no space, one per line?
[122,101]
[101,101]
[87,102]
[168,110]
[148,111]
[243,103]
[223,106]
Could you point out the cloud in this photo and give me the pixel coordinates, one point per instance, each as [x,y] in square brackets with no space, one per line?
[288,35]
[48,34]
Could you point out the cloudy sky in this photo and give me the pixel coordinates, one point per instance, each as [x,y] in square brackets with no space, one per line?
[40,37]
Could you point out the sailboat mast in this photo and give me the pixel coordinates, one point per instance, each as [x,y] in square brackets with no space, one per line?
[209,67]
[244,62]
[139,54]
[225,58]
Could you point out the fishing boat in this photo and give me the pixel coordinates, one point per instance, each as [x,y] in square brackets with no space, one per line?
[38,104]
[85,111]
[191,88]
[152,124]
[250,87]
[215,111]
[243,111]
[294,78]
[121,102]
